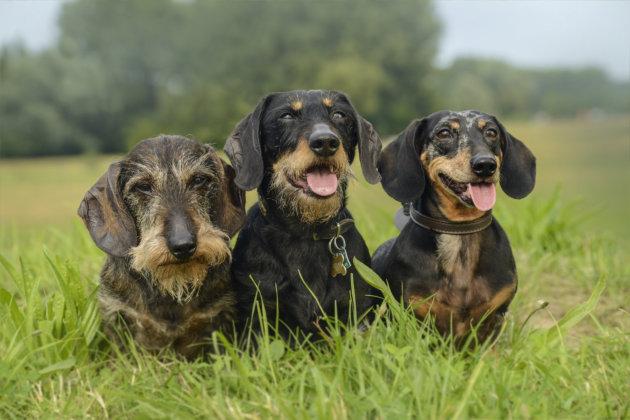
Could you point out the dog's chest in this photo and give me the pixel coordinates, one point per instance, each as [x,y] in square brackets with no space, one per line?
[189,324]
[461,296]
[157,326]
[310,266]
[457,257]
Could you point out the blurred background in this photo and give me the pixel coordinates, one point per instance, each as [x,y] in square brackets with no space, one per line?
[85,80]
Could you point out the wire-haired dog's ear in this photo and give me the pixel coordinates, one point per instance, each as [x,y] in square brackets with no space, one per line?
[369,150]
[232,214]
[244,149]
[106,216]
[401,171]
[518,167]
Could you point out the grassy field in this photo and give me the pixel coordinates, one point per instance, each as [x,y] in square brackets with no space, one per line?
[570,359]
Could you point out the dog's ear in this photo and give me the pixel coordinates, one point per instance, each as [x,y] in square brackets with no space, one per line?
[244,149]
[106,216]
[401,171]
[369,150]
[518,167]
[369,145]
[232,215]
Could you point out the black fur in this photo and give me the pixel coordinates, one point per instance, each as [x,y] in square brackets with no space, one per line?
[411,263]
[275,252]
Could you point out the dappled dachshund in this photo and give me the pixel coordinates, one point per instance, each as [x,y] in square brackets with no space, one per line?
[299,240]
[453,261]
[164,215]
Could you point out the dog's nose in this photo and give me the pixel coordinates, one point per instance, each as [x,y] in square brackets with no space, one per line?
[483,165]
[323,141]
[182,247]
[181,241]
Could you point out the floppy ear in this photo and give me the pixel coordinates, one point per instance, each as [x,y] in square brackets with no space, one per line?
[401,171]
[369,145]
[106,217]
[244,149]
[369,150]
[232,215]
[518,168]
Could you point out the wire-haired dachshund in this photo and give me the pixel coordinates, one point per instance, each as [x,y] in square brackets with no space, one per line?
[452,261]
[299,240]
[164,215]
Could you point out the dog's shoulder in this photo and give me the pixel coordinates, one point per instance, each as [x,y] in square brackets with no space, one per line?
[381,256]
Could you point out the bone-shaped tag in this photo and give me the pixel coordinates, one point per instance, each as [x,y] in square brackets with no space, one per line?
[338,267]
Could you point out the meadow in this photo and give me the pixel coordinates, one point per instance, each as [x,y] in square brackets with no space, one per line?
[564,352]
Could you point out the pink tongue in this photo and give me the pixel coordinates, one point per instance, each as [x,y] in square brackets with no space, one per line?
[484,195]
[322,182]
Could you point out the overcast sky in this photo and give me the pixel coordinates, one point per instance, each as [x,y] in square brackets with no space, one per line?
[529,33]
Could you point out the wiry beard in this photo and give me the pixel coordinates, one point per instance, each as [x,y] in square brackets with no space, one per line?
[181,281]
[293,200]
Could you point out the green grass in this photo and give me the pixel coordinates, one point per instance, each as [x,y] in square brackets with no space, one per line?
[571,359]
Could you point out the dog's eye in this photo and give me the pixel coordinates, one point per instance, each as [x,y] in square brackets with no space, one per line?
[287,116]
[142,188]
[444,134]
[338,115]
[491,133]
[198,181]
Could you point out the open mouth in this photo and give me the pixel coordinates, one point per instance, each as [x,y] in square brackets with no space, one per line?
[482,195]
[318,181]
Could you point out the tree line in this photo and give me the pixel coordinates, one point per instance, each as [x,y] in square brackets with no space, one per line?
[122,71]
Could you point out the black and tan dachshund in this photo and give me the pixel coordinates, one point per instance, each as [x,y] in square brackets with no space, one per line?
[452,261]
[164,215]
[299,240]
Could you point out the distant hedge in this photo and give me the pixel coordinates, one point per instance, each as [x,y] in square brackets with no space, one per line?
[126,70]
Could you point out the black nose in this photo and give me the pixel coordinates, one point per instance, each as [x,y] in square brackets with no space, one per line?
[180,239]
[323,141]
[182,247]
[483,165]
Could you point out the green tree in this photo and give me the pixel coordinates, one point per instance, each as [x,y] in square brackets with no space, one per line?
[166,55]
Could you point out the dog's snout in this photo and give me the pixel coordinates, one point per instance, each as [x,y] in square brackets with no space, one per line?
[323,141]
[483,165]
[180,239]
[182,247]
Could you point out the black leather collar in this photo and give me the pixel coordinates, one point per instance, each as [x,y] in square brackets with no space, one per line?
[327,231]
[333,230]
[447,226]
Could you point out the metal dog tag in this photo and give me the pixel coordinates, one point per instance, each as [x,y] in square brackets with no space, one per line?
[338,267]
[340,261]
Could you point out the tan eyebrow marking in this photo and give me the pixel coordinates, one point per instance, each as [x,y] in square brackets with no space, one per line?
[297,105]
[481,124]
[454,125]
[327,102]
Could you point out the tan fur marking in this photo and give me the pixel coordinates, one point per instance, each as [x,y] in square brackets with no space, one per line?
[462,300]
[458,257]
[501,297]
[297,105]
[448,250]
[328,102]
[423,306]
[481,123]
[180,280]
[294,165]
[449,317]
[454,125]
[457,168]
